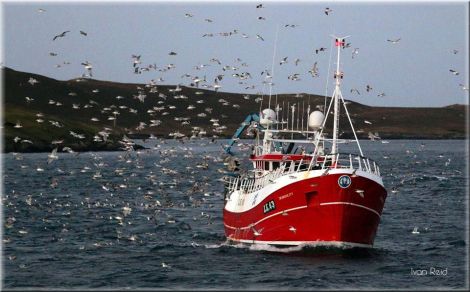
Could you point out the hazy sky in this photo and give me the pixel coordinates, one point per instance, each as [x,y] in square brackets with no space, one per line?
[412,72]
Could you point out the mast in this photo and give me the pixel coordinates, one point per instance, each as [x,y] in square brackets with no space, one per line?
[339,42]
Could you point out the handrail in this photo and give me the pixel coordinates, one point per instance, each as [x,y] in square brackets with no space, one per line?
[248,184]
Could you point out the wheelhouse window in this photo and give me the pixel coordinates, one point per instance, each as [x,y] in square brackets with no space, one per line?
[276,165]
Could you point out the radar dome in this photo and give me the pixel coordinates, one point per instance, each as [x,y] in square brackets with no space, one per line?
[267,117]
[315,120]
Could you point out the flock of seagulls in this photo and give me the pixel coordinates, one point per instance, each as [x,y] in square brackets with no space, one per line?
[160,192]
[155,202]
[295,76]
[237,70]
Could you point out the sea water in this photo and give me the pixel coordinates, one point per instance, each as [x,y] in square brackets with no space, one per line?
[153,219]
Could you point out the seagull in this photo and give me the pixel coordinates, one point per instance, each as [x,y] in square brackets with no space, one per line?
[320,50]
[259,37]
[32,81]
[368,88]
[314,70]
[255,232]
[52,156]
[165,265]
[172,53]
[188,15]
[373,136]
[296,61]
[454,72]
[136,60]
[394,41]
[208,20]
[328,10]
[83,33]
[415,230]
[381,94]
[355,52]
[360,192]
[88,67]
[60,35]
[455,51]
[355,90]
[294,77]
[216,85]
[367,122]
[259,6]
[40,10]
[284,60]
[463,87]
[261,18]
[292,228]
[215,60]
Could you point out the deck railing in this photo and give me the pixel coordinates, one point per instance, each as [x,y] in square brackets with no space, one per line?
[251,183]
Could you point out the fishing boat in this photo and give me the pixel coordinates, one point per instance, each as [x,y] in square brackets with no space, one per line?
[301,189]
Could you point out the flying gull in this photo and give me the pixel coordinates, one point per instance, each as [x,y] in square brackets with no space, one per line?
[61,35]
[394,41]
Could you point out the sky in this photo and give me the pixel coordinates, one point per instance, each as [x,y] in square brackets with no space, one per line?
[415,72]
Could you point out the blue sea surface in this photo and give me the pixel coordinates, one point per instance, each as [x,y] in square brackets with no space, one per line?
[153,219]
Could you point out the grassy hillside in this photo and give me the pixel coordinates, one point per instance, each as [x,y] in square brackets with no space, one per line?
[165,111]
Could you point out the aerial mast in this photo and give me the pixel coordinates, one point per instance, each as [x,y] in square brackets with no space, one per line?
[339,43]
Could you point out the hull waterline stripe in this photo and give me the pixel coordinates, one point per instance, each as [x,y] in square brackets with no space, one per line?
[352,204]
[265,218]
[296,243]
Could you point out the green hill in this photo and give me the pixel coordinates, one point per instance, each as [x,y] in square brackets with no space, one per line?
[163,112]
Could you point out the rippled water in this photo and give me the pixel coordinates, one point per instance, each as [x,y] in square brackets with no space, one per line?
[153,219]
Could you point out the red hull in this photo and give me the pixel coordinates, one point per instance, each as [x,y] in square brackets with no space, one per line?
[313,210]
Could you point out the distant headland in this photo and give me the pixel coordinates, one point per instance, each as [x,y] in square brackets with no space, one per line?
[41,113]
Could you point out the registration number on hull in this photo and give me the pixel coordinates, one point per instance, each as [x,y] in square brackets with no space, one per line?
[269,206]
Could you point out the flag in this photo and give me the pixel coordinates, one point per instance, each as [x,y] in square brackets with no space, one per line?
[339,42]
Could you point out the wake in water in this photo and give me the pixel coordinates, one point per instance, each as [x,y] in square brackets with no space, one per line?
[309,248]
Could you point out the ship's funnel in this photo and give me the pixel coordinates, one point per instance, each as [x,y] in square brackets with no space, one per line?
[315,120]
[267,117]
